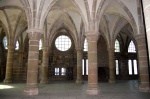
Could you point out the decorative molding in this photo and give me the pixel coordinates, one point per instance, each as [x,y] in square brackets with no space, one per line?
[34,34]
[92,36]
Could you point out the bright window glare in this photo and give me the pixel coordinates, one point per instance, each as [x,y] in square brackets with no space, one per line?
[85,45]
[17,45]
[87,67]
[63,43]
[63,71]
[135,67]
[117,46]
[131,47]
[56,71]
[5,87]
[130,67]
[117,67]
[5,42]
[82,66]
[40,44]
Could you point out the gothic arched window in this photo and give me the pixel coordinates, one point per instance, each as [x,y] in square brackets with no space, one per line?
[117,46]
[5,42]
[85,45]
[17,45]
[131,47]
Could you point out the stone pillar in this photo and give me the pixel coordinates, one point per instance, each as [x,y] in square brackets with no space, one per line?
[33,59]
[112,69]
[20,65]
[79,66]
[143,63]
[146,6]
[92,87]
[44,69]
[9,64]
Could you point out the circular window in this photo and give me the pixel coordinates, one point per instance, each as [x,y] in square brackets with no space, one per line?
[63,43]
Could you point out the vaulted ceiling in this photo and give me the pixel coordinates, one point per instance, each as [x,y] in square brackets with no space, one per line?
[108,17]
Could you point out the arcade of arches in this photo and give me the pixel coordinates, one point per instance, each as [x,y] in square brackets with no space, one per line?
[93,40]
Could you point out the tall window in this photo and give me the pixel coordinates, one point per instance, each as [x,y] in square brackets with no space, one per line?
[40,44]
[132,67]
[85,45]
[84,67]
[60,71]
[117,46]
[117,67]
[5,42]
[131,47]
[63,43]
[63,71]
[17,45]
[56,71]
[135,67]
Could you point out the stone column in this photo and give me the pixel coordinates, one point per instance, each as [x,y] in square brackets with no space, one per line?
[143,63]
[146,6]
[44,69]
[92,87]
[79,65]
[112,69]
[9,64]
[20,64]
[33,59]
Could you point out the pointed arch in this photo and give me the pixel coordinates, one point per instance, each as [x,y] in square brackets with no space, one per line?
[62,26]
[101,10]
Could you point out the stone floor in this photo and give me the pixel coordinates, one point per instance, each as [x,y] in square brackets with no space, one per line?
[70,90]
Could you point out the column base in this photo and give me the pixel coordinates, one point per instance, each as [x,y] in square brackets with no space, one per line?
[32,90]
[79,82]
[44,81]
[112,81]
[7,81]
[92,89]
[144,88]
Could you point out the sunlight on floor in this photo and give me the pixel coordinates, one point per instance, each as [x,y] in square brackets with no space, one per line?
[5,87]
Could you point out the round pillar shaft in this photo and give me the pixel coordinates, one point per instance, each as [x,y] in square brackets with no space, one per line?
[79,66]
[92,87]
[143,64]
[33,60]
[9,64]
[44,69]
[112,72]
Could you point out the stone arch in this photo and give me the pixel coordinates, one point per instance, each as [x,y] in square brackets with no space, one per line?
[20,32]
[10,6]
[8,34]
[64,11]
[131,21]
[54,33]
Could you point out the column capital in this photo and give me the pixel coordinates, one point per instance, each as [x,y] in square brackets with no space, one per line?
[92,36]
[11,47]
[79,49]
[33,30]
[34,33]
